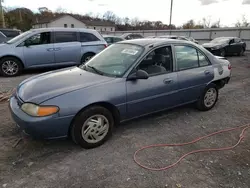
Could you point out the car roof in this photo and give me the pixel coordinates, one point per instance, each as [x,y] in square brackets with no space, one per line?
[112,36]
[168,36]
[225,37]
[64,29]
[153,41]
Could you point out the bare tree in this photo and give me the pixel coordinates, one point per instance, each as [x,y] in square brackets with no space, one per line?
[243,23]
[216,24]
[206,22]
[110,16]
[61,10]
[135,22]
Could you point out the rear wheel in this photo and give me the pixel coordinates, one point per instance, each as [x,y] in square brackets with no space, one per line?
[86,57]
[92,127]
[208,98]
[223,53]
[241,53]
[10,66]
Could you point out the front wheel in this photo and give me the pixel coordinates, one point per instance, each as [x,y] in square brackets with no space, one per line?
[10,66]
[208,98]
[92,127]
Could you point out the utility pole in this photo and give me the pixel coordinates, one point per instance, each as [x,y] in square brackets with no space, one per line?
[170,19]
[2,23]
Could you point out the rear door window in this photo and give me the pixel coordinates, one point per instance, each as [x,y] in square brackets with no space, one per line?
[108,40]
[187,57]
[117,39]
[88,37]
[62,37]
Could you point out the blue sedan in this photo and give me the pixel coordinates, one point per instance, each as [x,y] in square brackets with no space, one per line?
[127,80]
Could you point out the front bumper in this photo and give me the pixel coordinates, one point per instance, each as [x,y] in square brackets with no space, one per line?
[50,127]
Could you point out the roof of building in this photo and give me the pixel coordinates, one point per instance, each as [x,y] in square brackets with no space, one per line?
[87,22]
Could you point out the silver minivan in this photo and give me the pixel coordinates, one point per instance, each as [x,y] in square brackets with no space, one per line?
[49,47]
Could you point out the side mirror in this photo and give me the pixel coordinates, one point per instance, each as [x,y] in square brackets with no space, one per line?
[139,74]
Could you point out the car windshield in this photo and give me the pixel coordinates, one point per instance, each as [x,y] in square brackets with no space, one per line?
[114,60]
[17,38]
[220,40]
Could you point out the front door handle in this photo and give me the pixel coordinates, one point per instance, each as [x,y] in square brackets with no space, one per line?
[207,72]
[50,49]
[167,81]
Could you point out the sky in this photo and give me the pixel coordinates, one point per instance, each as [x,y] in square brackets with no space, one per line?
[228,11]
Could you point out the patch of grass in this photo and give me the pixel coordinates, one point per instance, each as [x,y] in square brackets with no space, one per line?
[4,96]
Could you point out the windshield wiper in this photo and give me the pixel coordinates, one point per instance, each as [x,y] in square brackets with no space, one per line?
[96,70]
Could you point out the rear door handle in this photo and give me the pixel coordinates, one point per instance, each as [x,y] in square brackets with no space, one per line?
[207,72]
[167,81]
[57,49]
[50,49]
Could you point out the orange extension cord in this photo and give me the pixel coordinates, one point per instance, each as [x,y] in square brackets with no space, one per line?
[244,128]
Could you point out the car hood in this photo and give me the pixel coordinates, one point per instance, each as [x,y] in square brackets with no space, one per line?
[40,88]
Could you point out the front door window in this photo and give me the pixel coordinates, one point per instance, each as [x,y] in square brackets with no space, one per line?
[39,39]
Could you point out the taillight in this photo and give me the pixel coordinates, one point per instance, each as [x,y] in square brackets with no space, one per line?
[105,45]
[229,66]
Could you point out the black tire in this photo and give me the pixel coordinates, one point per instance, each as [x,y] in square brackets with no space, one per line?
[241,53]
[18,66]
[222,52]
[201,102]
[76,129]
[87,57]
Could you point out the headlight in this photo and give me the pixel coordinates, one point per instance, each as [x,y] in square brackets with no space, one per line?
[39,111]
[216,47]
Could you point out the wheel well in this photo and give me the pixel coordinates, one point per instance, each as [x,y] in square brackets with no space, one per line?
[88,53]
[115,112]
[13,57]
[219,83]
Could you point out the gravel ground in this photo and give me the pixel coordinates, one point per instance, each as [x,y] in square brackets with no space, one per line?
[40,164]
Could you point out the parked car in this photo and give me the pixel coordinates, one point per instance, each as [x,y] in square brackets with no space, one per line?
[179,38]
[112,39]
[127,80]
[223,46]
[129,36]
[10,33]
[3,38]
[49,47]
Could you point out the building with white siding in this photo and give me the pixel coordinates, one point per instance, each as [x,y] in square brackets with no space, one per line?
[69,21]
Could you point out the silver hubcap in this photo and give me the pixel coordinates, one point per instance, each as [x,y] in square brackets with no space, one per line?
[10,67]
[223,53]
[242,52]
[95,128]
[87,58]
[210,97]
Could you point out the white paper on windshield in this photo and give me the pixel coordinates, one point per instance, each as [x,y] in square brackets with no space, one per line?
[129,51]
